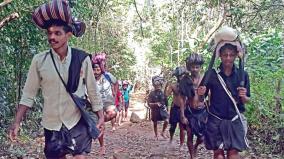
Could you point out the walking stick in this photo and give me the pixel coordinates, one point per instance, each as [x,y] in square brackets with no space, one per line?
[241,66]
[206,77]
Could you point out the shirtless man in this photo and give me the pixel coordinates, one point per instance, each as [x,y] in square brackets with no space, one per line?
[193,112]
[172,89]
[196,110]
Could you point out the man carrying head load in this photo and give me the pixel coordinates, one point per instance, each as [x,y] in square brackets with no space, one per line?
[65,129]
[229,91]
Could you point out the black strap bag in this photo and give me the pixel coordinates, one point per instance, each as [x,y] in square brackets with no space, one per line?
[163,112]
[77,59]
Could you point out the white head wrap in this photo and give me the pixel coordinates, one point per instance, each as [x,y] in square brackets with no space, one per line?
[227,35]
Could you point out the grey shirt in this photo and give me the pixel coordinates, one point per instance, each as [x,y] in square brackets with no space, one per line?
[105,88]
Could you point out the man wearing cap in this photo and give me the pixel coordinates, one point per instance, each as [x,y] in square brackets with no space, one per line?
[226,126]
[65,130]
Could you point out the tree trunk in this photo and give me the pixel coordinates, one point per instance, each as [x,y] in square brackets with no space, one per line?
[277,97]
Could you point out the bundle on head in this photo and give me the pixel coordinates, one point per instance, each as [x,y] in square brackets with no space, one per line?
[100,59]
[227,35]
[125,82]
[157,80]
[179,71]
[54,11]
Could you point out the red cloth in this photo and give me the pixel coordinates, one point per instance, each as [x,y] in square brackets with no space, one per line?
[118,95]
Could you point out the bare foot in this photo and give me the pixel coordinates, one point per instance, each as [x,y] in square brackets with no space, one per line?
[181,148]
[113,129]
[156,138]
[102,151]
[163,135]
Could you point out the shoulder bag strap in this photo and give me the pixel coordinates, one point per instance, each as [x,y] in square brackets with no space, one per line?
[57,70]
[228,93]
[61,77]
[230,96]
[242,119]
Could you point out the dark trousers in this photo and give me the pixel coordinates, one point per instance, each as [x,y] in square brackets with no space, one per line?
[75,141]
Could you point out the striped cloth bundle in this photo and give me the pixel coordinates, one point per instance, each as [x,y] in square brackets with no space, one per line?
[57,10]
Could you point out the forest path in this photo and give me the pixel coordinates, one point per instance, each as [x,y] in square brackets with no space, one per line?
[128,141]
[136,140]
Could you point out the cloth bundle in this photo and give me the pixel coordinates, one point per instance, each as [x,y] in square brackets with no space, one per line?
[57,10]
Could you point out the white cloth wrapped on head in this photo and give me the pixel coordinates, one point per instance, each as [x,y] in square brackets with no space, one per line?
[227,35]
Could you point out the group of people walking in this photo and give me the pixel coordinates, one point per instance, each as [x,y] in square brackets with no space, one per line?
[65,74]
[114,94]
[208,106]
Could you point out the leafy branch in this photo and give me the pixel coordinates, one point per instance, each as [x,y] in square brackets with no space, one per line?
[214,29]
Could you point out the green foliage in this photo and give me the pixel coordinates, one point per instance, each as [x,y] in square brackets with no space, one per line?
[264,64]
[163,26]
[265,59]
[20,40]
[103,35]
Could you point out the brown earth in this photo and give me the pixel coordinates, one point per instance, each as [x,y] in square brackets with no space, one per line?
[130,140]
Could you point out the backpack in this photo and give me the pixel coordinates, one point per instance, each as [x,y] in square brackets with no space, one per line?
[106,75]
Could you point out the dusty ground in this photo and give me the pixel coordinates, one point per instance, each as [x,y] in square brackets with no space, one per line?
[130,140]
[137,141]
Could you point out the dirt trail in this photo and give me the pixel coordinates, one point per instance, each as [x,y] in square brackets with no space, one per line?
[136,140]
[129,141]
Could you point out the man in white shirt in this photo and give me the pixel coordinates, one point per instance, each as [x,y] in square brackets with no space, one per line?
[60,114]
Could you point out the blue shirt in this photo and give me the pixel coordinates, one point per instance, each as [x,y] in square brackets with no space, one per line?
[125,93]
[220,103]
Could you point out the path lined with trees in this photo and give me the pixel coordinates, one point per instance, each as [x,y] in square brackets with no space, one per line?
[133,140]
[165,32]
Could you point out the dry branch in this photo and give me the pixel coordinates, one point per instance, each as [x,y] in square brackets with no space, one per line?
[8,19]
[5,2]
[213,30]
[141,19]
[277,96]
